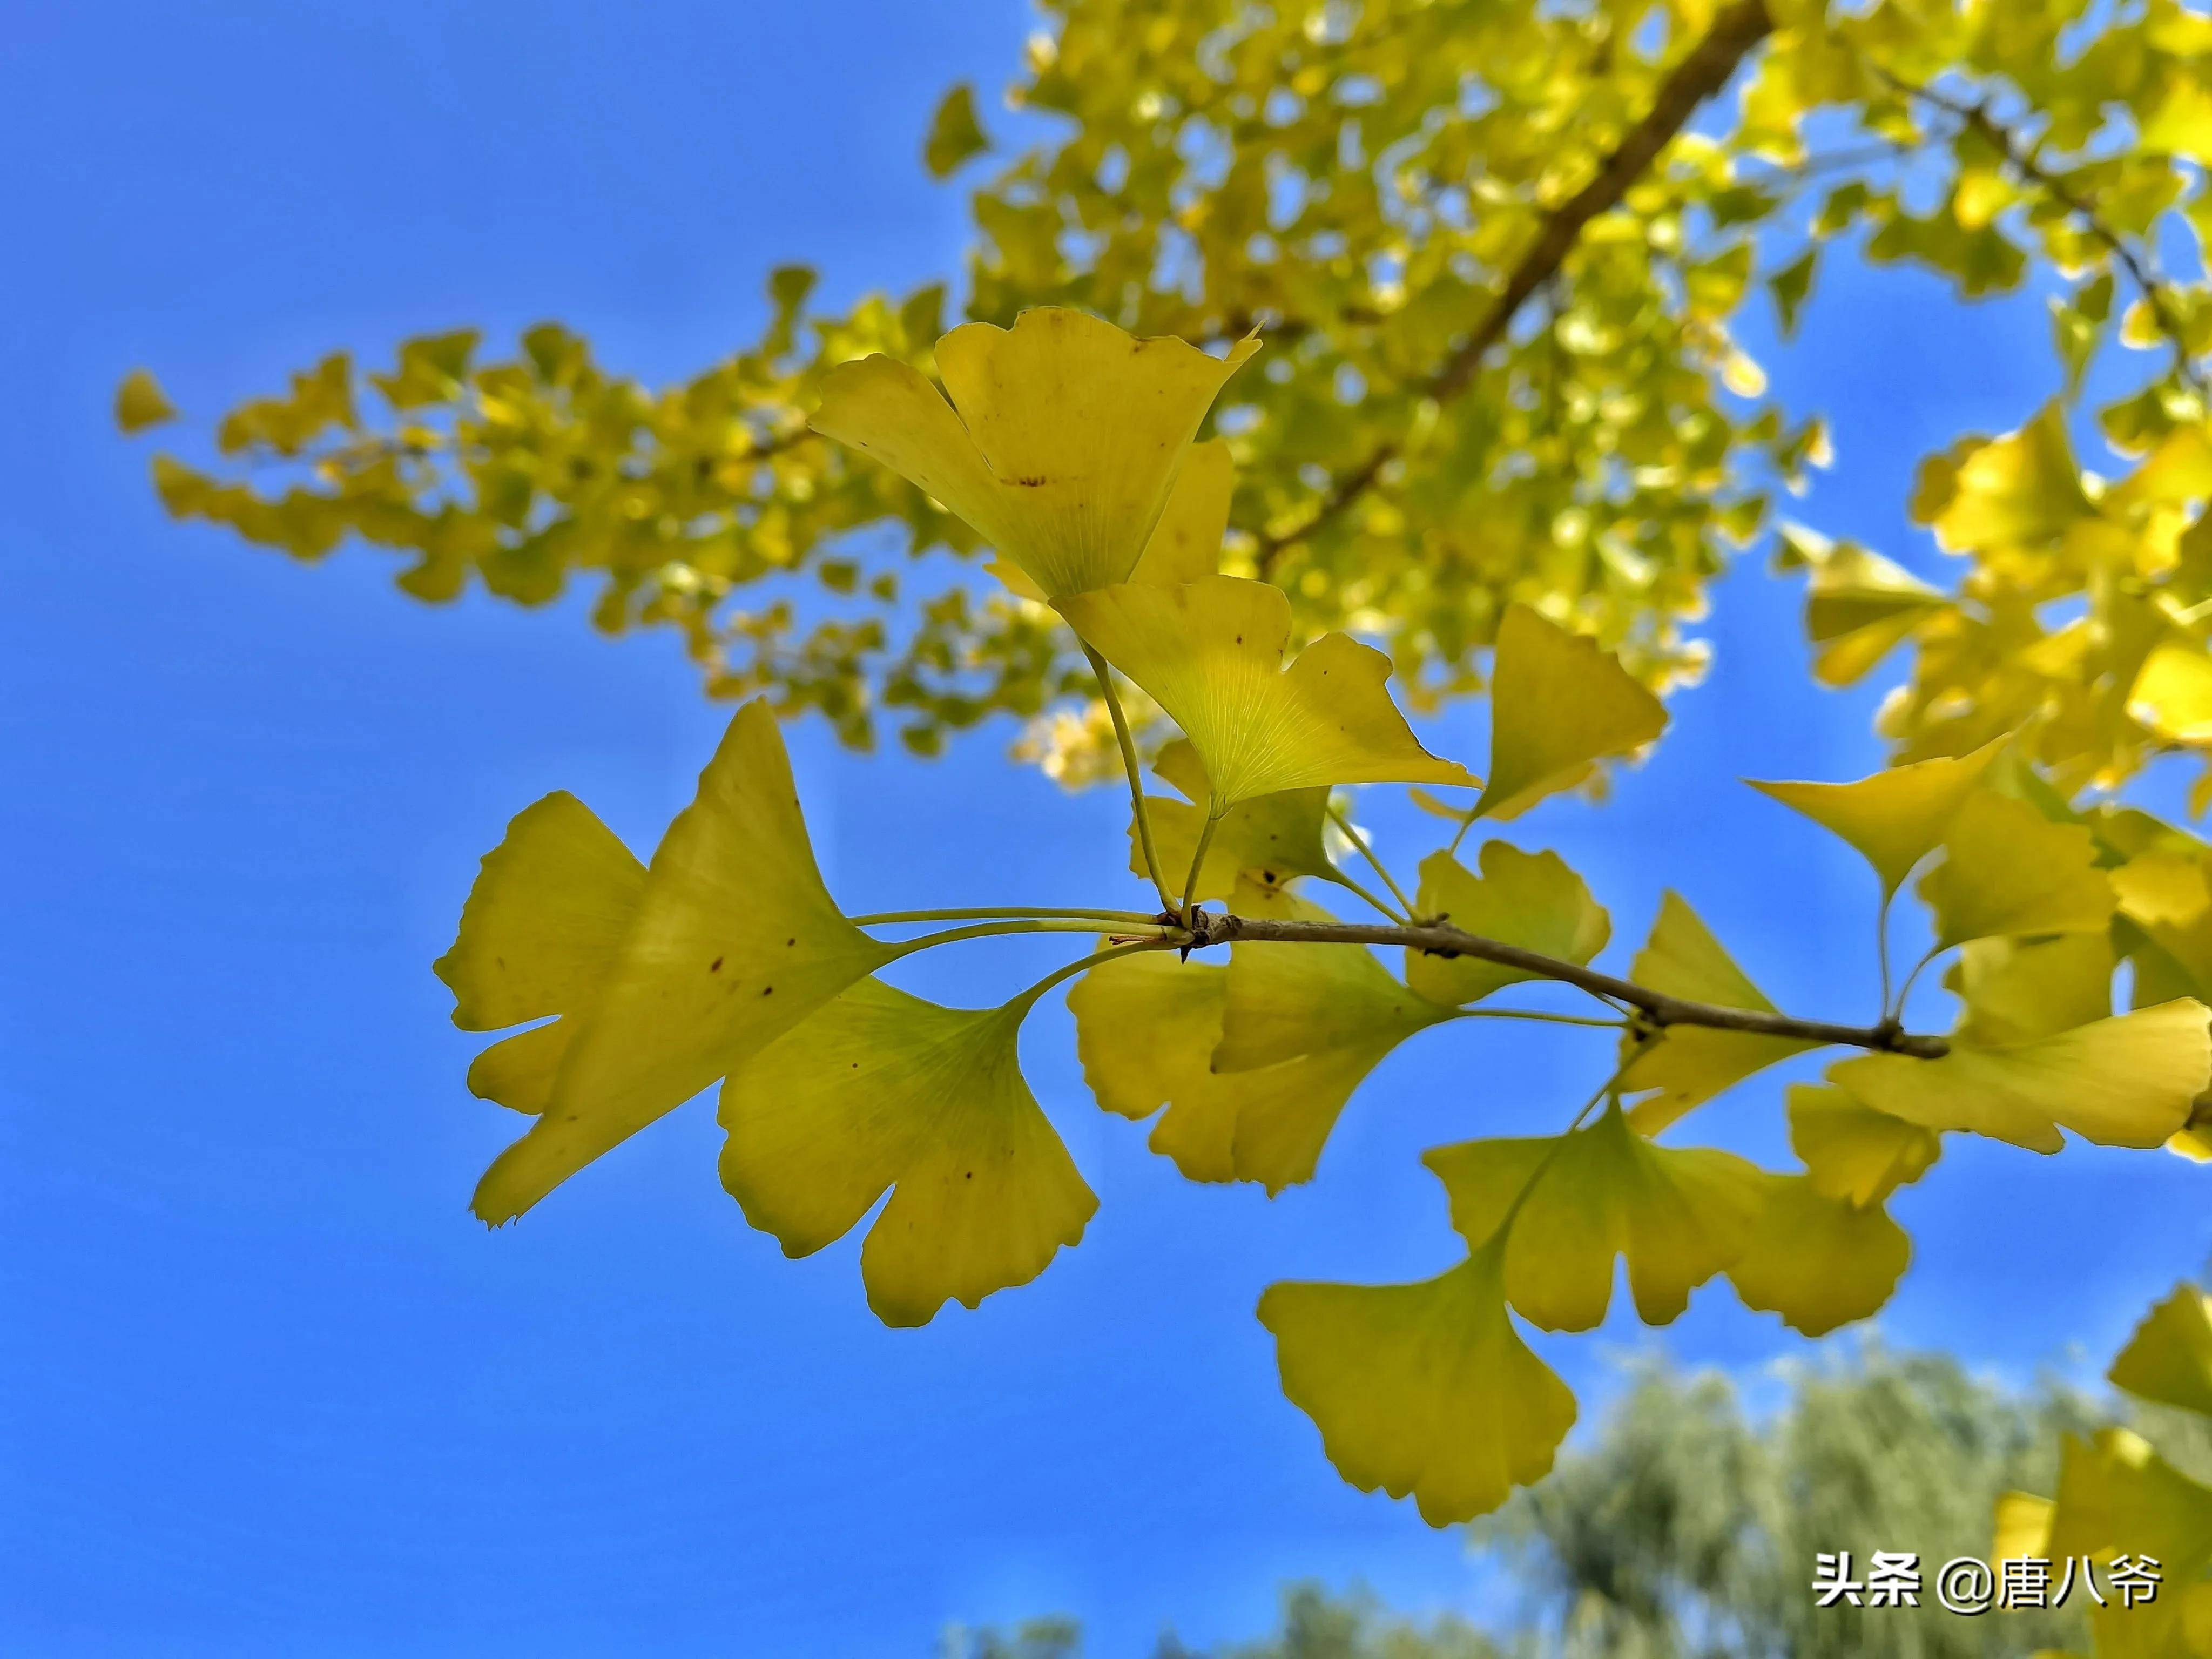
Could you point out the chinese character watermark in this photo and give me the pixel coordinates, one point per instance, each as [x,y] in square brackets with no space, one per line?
[1968,1585]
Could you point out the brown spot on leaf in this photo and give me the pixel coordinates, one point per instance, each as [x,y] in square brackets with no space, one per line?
[715,966]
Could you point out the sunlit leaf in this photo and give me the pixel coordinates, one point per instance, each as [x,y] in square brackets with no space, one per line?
[1679,1215]
[1893,818]
[1269,1122]
[2172,694]
[538,936]
[1268,839]
[1819,1261]
[1532,900]
[2127,1081]
[1185,543]
[1422,1389]
[2023,486]
[2115,1494]
[2008,869]
[878,1088]
[2169,1357]
[1558,705]
[2017,990]
[1691,1064]
[734,941]
[1061,439]
[1851,1151]
[1210,652]
[2022,1528]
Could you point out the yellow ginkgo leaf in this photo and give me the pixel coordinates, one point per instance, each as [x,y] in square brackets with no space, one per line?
[2017,990]
[2021,1531]
[2169,1357]
[1893,818]
[1859,606]
[1185,543]
[1210,652]
[1691,1064]
[1853,1153]
[1423,1389]
[2116,1495]
[2172,694]
[2007,869]
[2024,487]
[1266,1124]
[1529,899]
[1679,1214]
[734,940]
[2163,887]
[1284,1000]
[878,1088]
[140,403]
[2127,1081]
[537,936]
[1060,444]
[1819,1261]
[1558,706]
[1270,839]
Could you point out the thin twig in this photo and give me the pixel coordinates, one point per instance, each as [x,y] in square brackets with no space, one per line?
[1658,1008]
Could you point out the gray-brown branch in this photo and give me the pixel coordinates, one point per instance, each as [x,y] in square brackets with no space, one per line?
[1658,1008]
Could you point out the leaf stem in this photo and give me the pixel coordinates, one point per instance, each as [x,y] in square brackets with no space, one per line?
[1352,834]
[1659,1008]
[1028,1000]
[1150,929]
[887,918]
[1605,1089]
[1355,889]
[1197,863]
[1544,1015]
[1135,772]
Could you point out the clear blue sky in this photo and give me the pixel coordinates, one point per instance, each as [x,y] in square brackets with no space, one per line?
[264,1387]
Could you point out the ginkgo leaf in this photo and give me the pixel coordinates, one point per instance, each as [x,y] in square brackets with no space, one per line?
[2017,990]
[1558,705]
[2115,1494]
[2162,887]
[2127,1081]
[1210,652]
[2169,1357]
[2007,869]
[1422,1389]
[1850,1151]
[1819,1261]
[537,936]
[954,134]
[1284,1000]
[2021,1531]
[1678,1214]
[1893,818]
[1529,899]
[2023,486]
[1270,838]
[1268,1124]
[1185,543]
[1859,606]
[1691,1064]
[140,403]
[734,941]
[2172,694]
[1061,441]
[878,1088]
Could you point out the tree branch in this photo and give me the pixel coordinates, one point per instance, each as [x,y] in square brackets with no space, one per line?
[2020,158]
[1705,71]
[1658,1008]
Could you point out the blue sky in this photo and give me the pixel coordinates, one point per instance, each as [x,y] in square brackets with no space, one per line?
[264,1387]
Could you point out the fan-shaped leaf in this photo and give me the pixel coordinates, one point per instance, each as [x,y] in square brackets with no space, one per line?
[878,1088]
[2008,869]
[1819,1261]
[1422,1389]
[1060,445]
[734,941]
[1679,1215]
[2128,1081]
[1852,1152]
[1210,652]
[1893,818]
[1558,705]
[1691,1064]
[1529,899]
[1269,839]
[2169,1357]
